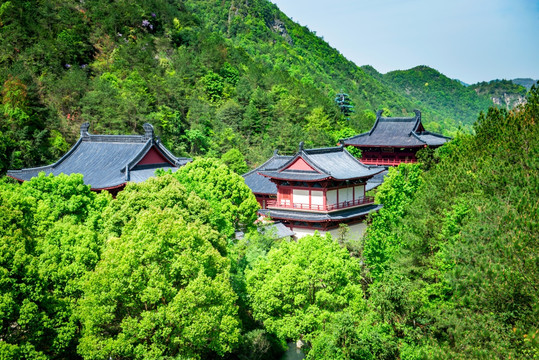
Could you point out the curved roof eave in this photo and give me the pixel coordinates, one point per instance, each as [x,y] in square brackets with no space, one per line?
[109,187]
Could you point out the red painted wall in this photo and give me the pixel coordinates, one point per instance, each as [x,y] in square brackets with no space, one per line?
[300,164]
[153,157]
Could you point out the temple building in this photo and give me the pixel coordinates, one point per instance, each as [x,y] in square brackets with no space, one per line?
[109,162]
[394,140]
[262,187]
[316,189]
[266,190]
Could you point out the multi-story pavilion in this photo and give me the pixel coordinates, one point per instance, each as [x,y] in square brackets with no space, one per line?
[318,189]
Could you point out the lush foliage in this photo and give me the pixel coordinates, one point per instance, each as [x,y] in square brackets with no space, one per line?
[211,77]
[142,275]
[48,243]
[234,204]
[161,289]
[300,285]
[381,240]
[464,284]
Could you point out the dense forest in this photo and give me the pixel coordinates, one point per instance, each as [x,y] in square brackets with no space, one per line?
[209,76]
[448,268]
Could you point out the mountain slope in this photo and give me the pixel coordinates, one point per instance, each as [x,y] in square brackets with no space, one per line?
[505,93]
[526,82]
[210,76]
[449,102]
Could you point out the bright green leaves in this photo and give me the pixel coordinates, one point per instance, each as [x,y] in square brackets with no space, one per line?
[235,160]
[143,275]
[381,240]
[161,289]
[47,243]
[213,85]
[234,205]
[300,285]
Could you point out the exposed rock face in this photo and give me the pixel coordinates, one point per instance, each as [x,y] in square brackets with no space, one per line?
[279,27]
[510,101]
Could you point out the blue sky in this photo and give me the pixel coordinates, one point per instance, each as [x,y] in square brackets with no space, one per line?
[470,40]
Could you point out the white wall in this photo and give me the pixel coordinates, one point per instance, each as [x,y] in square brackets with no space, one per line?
[346,194]
[331,197]
[317,197]
[300,196]
[359,191]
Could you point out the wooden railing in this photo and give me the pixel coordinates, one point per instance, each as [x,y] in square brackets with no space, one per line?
[390,162]
[342,205]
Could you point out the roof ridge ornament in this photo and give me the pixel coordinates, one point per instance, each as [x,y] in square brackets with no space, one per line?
[148,131]
[301,146]
[84,130]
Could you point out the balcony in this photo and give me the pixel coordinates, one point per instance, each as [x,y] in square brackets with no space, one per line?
[310,207]
[386,162]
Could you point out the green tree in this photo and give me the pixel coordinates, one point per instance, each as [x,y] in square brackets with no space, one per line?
[319,128]
[234,205]
[381,240]
[160,290]
[345,104]
[464,284]
[235,160]
[48,243]
[301,285]
[163,192]
[213,85]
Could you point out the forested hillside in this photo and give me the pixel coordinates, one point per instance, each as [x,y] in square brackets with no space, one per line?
[449,104]
[447,270]
[210,76]
[118,65]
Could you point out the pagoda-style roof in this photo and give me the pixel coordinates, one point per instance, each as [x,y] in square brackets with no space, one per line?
[403,132]
[110,161]
[376,181]
[312,165]
[316,217]
[260,184]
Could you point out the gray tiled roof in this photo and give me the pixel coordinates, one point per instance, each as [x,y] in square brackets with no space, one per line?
[432,139]
[260,184]
[397,132]
[107,161]
[334,162]
[375,181]
[320,217]
[277,230]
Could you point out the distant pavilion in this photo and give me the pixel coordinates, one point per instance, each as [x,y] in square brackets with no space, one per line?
[394,140]
[109,162]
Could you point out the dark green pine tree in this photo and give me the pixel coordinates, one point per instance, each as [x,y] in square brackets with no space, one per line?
[345,104]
